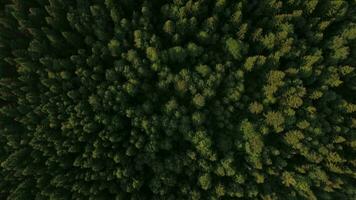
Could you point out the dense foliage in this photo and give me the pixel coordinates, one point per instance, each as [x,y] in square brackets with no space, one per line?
[178,99]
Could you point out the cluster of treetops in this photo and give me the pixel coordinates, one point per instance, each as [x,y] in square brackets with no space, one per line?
[177,99]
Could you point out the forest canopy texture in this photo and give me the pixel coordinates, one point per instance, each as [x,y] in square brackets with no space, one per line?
[177,99]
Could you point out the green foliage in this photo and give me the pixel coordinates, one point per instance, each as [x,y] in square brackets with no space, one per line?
[114,47]
[177,99]
[234,47]
[152,54]
[254,62]
[253,145]
[275,119]
[255,107]
[205,181]
[199,100]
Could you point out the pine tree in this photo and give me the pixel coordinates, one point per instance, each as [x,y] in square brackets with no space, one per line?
[177,99]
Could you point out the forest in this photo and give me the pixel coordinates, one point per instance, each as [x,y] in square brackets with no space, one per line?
[177,99]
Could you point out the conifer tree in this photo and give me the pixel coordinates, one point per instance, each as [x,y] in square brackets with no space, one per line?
[177,99]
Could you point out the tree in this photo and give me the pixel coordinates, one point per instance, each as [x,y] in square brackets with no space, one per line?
[152,54]
[255,107]
[253,144]
[234,47]
[205,181]
[199,100]
[275,119]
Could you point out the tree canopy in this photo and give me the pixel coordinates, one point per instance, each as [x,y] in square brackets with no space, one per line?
[177,99]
